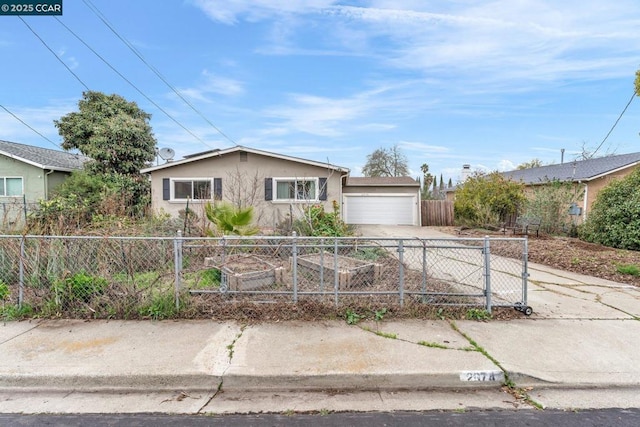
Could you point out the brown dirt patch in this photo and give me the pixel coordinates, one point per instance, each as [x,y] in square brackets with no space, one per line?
[570,254]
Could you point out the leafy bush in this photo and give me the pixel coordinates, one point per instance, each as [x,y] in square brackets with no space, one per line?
[85,199]
[4,291]
[550,202]
[80,287]
[487,199]
[614,219]
[319,223]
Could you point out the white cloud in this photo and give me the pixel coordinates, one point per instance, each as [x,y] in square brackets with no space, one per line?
[230,11]
[213,84]
[505,165]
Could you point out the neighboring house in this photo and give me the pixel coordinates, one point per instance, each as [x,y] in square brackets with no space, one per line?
[279,187]
[29,174]
[589,176]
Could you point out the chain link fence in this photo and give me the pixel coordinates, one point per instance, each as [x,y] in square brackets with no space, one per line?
[154,277]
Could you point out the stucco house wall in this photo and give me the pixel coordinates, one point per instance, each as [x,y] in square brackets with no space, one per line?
[245,177]
[40,171]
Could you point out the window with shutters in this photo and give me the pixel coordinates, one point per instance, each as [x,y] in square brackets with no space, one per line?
[296,189]
[182,189]
[11,186]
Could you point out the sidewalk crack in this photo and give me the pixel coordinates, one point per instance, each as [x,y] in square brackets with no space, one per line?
[230,349]
[18,335]
[521,394]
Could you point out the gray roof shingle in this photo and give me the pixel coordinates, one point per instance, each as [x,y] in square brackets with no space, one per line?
[583,170]
[43,157]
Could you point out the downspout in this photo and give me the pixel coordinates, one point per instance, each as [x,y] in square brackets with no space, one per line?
[585,198]
[343,183]
[46,184]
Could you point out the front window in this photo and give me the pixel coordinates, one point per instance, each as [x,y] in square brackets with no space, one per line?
[10,186]
[296,189]
[194,189]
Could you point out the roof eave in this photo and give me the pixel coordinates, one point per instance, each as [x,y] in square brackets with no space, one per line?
[249,150]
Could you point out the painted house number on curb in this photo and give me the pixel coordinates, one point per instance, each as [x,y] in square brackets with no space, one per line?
[481,376]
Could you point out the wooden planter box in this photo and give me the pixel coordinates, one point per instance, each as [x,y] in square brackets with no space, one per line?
[352,272]
[247,273]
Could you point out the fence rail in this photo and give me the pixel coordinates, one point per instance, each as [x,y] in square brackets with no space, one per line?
[128,277]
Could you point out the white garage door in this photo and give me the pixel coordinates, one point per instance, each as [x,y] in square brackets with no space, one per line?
[389,209]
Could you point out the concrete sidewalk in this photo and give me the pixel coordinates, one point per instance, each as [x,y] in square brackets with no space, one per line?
[577,350]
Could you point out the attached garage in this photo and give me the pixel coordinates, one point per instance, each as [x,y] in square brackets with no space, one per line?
[381,201]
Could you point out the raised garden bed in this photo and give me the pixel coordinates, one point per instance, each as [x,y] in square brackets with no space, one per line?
[246,273]
[352,272]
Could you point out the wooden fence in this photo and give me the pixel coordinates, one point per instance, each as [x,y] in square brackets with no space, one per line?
[437,212]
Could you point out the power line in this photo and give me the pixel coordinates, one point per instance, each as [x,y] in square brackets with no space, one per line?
[27,125]
[99,14]
[54,54]
[130,83]
[615,124]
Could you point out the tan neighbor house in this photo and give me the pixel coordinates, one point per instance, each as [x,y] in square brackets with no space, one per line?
[279,187]
[588,176]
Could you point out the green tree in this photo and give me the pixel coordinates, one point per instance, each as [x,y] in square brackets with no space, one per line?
[386,162]
[115,133]
[427,179]
[486,199]
[533,163]
[614,219]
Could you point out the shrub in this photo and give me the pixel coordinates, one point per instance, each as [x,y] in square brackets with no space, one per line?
[80,287]
[614,219]
[487,199]
[550,202]
[319,223]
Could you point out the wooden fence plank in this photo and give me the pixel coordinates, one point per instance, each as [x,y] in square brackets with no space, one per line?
[437,213]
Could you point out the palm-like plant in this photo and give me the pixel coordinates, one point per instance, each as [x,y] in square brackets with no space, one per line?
[230,219]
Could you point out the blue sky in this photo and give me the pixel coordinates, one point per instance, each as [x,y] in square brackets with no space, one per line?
[488,83]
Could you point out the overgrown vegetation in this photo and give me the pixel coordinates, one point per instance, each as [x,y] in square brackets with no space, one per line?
[550,202]
[319,223]
[116,137]
[614,219]
[486,199]
[79,288]
[630,269]
[229,219]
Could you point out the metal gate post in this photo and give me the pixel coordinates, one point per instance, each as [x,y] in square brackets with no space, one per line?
[487,273]
[177,259]
[336,281]
[401,271]
[424,271]
[294,267]
[525,271]
[21,278]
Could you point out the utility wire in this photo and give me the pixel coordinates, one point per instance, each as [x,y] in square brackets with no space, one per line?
[615,124]
[27,125]
[54,54]
[130,83]
[99,14]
